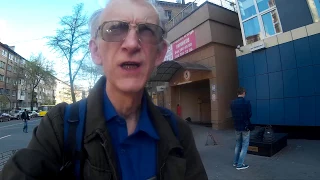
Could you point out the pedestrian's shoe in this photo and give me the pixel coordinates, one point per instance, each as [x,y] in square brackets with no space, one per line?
[234,164]
[243,166]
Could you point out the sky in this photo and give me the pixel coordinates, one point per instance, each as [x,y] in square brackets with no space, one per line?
[25,23]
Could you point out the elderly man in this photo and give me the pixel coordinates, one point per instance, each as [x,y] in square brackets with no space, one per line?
[126,136]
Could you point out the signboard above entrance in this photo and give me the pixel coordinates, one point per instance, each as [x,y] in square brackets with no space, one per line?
[182,46]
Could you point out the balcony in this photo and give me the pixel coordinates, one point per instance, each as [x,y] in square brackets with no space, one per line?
[228,4]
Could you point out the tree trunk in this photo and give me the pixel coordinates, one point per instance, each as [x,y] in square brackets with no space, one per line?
[72,93]
[32,96]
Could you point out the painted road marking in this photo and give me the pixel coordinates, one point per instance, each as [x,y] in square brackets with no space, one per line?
[5,136]
[17,124]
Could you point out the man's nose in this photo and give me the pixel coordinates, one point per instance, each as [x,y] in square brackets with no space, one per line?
[132,41]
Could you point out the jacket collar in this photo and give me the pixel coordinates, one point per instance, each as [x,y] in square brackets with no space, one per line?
[95,120]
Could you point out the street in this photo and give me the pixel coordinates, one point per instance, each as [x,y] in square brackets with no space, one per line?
[299,160]
[11,135]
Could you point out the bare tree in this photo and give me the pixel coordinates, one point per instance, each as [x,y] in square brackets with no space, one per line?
[71,42]
[91,73]
[38,70]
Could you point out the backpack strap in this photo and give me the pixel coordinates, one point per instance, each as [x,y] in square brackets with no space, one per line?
[74,121]
[171,118]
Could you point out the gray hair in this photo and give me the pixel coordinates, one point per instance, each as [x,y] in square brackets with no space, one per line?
[94,19]
[94,22]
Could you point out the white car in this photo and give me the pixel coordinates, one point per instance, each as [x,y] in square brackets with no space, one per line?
[16,114]
[33,114]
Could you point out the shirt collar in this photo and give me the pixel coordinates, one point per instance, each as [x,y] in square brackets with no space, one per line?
[144,123]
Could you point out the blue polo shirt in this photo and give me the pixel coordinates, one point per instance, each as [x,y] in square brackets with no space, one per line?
[136,154]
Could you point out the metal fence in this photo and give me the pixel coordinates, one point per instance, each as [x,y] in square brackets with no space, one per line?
[5,156]
[191,7]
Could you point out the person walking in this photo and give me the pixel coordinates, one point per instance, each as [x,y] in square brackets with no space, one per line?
[241,113]
[25,118]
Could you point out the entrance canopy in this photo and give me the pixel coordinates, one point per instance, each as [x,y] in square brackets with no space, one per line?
[167,69]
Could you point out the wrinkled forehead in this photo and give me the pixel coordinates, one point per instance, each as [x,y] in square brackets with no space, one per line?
[133,11]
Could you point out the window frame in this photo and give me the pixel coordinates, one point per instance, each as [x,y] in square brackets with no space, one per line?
[260,21]
[313,11]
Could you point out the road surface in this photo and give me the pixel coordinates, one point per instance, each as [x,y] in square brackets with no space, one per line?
[11,135]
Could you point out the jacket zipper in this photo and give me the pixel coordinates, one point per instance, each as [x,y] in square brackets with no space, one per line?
[108,156]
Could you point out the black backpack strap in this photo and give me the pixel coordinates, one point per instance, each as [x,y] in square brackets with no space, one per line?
[171,118]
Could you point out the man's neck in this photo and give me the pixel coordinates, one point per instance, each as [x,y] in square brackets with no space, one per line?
[126,105]
[241,96]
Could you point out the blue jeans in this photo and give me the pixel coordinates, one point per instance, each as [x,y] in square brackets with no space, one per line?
[25,127]
[242,143]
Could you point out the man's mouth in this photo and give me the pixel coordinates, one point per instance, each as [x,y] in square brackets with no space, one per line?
[130,65]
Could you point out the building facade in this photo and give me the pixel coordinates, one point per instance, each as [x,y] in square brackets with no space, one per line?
[172,9]
[200,68]
[279,64]
[12,89]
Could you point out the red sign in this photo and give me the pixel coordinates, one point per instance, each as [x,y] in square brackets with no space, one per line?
[184,45]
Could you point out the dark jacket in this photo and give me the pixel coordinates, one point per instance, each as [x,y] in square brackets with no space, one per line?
[241,113]
[42,158]
[25,116]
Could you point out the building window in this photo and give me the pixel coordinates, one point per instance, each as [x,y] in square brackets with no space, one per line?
[9,67]
[8,80]
[10,57]
[13,93]
[259,19]
[1,91]
[14,70]
[4,53]
[1,77]
[7,91]
[314,6]
[2,65]
[271,23]
[168,14]
[23,93]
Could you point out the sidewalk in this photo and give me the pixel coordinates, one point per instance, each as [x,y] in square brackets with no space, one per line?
[299,160]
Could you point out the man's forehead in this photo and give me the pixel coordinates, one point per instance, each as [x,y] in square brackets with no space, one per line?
[136,11]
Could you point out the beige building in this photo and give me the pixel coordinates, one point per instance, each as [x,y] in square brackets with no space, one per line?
[62,92]
[200,68]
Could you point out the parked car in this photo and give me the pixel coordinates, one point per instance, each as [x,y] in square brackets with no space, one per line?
[33,114]
[5,117]
[16,114]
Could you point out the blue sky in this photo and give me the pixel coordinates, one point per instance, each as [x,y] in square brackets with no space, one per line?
[25,23]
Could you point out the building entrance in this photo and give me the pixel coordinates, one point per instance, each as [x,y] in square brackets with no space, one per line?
[194,99]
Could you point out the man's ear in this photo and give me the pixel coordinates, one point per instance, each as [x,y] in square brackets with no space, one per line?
[162,53]
[94,52]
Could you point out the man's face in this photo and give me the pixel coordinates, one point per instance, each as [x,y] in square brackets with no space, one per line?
[127,63]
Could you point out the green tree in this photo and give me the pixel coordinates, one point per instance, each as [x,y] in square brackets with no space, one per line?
[4,101]
[38,70]
[71,42]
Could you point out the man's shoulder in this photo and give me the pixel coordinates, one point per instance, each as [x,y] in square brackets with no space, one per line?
[57,112]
